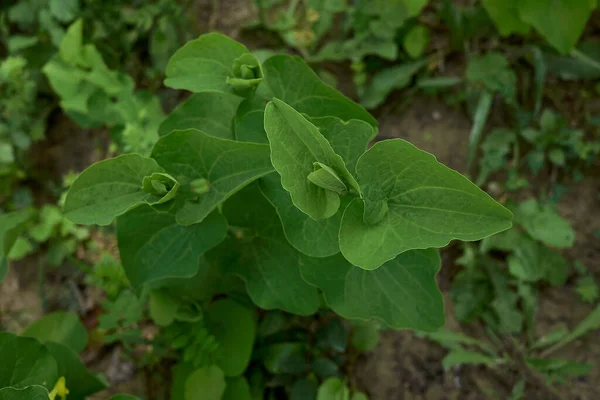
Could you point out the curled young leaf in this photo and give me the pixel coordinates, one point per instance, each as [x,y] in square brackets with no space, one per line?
[319,238]
[326,178]
[247,73]
[161,184]
[296,145]
[225,165]
[427,204]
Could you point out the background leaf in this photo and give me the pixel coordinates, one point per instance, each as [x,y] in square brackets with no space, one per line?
[60,327]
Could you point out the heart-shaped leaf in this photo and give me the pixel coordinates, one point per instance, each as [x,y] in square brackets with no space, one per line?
[411,201]
[204,64]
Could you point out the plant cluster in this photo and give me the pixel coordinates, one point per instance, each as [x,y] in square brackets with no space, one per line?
[263,188]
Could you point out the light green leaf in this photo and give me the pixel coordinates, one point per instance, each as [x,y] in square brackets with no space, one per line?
[570,15]
[80,381]
[210,112]
[427,205]
[237,389]
[308,95]
[465,357]
[414,7]
[234,328]
[415,42]
[60,327]
[333,389]
[11,225]
[227,165]
[28,393]
[205,384]
[402,292]
[267,263]
[110,188]
[25,362]
[154,246]
[319,238]
[204,64]
[484,106]
[384,82]
[543,223]
[296,144]
[71,44]
[505,15]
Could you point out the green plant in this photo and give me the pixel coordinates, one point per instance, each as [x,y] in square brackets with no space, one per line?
[520,16]
[22,121]
[367,29]
[93,95]
[262,175]
[553,145]
[498,286]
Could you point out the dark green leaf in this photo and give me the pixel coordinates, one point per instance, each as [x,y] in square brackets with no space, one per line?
[25,362]
[60,327]
[205,384]
[309,95]
[268,264]
[80,382]
[237,389]
[110,188]
[227,165]
[402,292]
[154,246]
[28,393]
[234,328]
